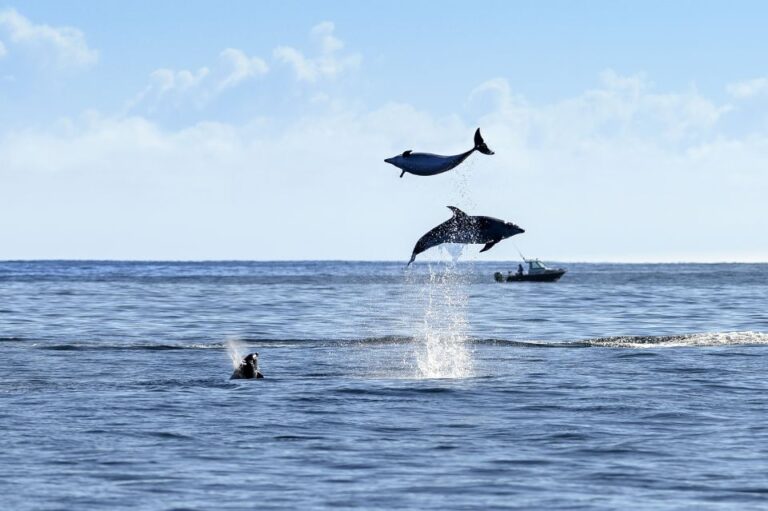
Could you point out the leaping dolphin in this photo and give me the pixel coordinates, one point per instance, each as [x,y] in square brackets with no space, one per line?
[428,164]
[462,228]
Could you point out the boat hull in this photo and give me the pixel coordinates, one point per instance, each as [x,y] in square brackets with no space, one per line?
[550,276]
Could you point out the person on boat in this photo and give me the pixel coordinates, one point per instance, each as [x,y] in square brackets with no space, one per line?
[519,269]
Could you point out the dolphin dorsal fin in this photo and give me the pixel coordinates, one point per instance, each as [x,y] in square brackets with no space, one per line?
[407,153]
[457,212]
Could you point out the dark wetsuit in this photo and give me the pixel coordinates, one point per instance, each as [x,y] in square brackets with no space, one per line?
[247,369]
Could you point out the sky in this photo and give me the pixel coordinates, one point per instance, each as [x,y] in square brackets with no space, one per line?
[623,131]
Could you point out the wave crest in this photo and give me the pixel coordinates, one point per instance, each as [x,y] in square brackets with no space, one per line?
[681,341]
[745,338]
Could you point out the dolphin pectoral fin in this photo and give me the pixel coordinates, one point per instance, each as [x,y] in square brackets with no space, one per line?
[402,173]
[489,245]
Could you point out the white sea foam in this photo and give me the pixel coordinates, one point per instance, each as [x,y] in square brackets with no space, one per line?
[682,341]
[441,348]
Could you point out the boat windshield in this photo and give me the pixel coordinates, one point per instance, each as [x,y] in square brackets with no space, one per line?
[536,265]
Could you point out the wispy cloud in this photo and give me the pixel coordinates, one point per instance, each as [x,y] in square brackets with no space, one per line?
[163,81]
[3,50]
[637,165]
[238,67]
[232,68]
[748,88]
[329,62]
[620,107]
[65,47]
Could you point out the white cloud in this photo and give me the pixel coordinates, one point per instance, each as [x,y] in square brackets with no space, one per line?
[169,80]
[63,46]
[497,89]
[3,50]
[748,88]
[621,107]
[232,69]
[618,172]
[329,63]
[239,67]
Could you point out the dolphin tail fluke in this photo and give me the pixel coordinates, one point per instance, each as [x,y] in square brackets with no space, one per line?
[480,143]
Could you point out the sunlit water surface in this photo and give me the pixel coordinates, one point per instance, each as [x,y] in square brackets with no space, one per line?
[621,386]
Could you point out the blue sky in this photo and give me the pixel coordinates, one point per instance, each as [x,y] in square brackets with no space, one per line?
[241,130]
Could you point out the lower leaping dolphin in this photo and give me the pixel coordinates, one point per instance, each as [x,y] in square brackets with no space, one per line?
[428,164]
[462,228]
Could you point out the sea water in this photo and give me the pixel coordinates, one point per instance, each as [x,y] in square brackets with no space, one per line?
[433,387]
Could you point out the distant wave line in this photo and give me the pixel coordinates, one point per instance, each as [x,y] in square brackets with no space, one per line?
[746,338]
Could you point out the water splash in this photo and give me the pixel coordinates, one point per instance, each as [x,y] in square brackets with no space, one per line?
[441,348]
[461,189]
[236,351]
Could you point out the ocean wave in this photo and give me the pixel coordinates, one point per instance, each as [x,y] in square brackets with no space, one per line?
[681,341]
[646,341]
[632,341]
[96,346]
[11,339]
[629,341]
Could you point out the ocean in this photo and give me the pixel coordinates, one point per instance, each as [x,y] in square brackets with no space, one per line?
[623,386]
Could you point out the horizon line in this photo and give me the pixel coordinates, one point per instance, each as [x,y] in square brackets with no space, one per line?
[74,260]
